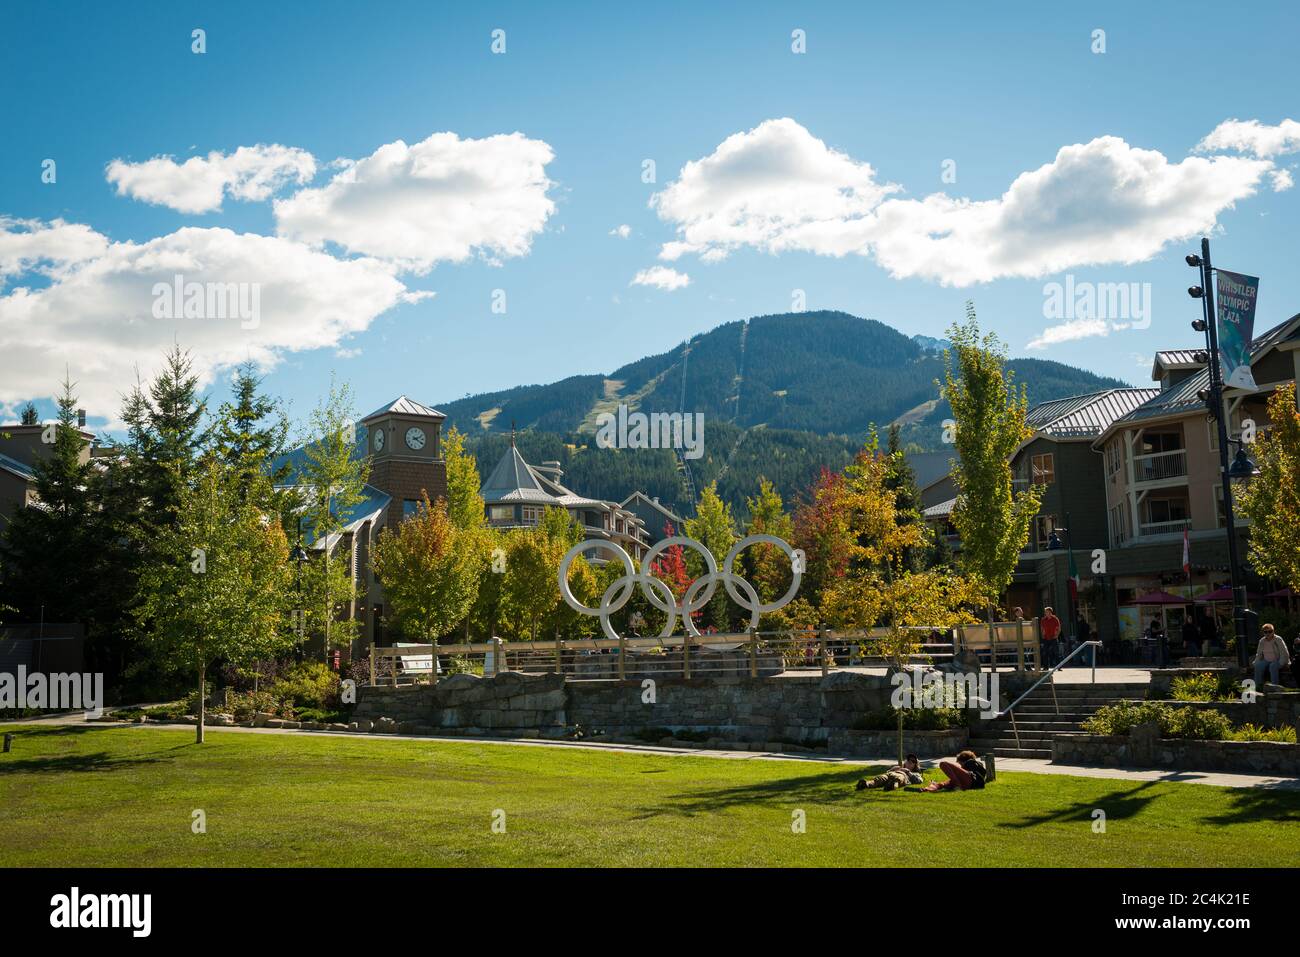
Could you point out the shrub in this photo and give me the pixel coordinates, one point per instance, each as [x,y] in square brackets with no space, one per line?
[308,685]
[1200,723]
[1202,687]
[914,719]
[1205,687]
[1248,732]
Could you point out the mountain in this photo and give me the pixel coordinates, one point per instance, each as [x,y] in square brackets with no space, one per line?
[827,373]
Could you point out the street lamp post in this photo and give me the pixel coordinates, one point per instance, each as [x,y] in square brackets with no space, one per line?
[298,555]
[1213,397]
[1054,544]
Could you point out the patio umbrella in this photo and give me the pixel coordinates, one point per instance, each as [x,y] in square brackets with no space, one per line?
[1161,598]
[1225,594]
[1281,593]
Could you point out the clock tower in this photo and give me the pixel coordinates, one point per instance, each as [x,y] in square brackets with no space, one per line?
[404,441]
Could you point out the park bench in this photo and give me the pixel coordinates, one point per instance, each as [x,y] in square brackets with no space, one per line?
[413,666]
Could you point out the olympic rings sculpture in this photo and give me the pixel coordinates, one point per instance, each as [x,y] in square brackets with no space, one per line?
[697,595]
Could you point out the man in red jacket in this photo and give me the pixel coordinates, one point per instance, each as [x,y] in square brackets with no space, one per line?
[1051,626]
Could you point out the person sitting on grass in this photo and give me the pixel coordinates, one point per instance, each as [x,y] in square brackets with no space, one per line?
[899,776]
[964,773]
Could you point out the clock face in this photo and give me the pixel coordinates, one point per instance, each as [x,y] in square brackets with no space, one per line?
[415,438]
[379,438]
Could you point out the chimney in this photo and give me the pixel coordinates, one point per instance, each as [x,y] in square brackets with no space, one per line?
[81,418]
[551,470]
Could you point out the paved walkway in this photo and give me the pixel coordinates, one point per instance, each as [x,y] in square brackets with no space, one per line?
[1030,765]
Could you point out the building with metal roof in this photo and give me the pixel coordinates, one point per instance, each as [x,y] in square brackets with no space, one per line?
[516,495]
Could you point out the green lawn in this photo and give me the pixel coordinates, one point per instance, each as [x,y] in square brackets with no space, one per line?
[125,795]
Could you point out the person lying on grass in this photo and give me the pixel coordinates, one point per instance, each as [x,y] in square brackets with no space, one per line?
[965,772]
[899,776]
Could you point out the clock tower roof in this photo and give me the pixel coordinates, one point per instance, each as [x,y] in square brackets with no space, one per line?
[404,406]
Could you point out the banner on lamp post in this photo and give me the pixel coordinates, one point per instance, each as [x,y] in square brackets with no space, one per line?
[1236,295]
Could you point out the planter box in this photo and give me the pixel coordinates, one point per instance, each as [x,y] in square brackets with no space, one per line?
[1242,757]
[873,744]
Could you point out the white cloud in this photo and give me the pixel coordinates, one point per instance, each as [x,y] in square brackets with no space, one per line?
[29,244]
[622,232]
[778,188]
[198,185]
[661,277]
[1282,180]
[774,188]
[1069,332]
[1254,137]
[440,200]
[97,316]
[1097,202]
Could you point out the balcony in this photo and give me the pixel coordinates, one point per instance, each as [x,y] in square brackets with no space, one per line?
[1159,466]
[1147,529]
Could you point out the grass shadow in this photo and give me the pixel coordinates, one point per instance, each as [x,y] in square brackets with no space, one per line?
[1265,803]
[1117,806]
[834,787]
[96,761]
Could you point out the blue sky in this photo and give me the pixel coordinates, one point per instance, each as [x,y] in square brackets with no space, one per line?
[831,201]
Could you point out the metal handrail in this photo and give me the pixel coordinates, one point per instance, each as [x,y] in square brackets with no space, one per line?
[1010,709]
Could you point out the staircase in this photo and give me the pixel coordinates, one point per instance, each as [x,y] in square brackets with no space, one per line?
[1038,721]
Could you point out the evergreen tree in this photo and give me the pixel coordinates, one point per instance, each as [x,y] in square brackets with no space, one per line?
[29,414]
[250,433]
[48,562]
[901,480]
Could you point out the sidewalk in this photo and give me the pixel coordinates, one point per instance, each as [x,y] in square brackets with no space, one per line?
[1028,765]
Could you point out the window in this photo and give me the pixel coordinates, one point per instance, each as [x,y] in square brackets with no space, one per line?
[1119,529]
[1043,469]
[532,514]
[1043,526]
[1114,457]
[502,513]
[1161,510]
[1155,442]
[410,508]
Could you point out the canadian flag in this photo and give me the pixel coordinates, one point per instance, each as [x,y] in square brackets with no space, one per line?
[1187,555]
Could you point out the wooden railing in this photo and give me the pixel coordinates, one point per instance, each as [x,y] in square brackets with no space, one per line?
[1004,643]
[753,653]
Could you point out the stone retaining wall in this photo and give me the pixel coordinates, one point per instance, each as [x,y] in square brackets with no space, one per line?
[800,709]
[1144,748]
[874,744]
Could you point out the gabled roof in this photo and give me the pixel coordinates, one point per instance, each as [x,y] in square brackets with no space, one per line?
[371,504]
[1085,416]
[1170,359]
[942,510]
[404,406]
[930,467]
[662,509]
[296,459]
[1182,398]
